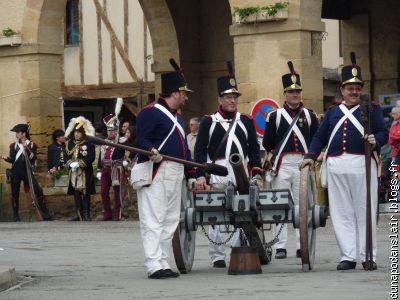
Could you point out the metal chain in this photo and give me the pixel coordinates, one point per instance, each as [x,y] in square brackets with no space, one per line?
[243,238]
[216,243]
[275,239]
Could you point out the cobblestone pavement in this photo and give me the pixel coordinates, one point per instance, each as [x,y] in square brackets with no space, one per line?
[104,260]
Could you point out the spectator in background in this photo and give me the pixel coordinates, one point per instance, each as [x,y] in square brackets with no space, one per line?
[394,135]
[124,127]
[56,152]
[194,124]
[130,136]
[99,130]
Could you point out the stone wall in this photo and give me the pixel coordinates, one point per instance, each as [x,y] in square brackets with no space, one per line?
[383,47]
[263,49]
[62,206]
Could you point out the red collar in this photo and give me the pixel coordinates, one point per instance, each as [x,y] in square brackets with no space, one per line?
[225,114]
[291,110]
[163,102]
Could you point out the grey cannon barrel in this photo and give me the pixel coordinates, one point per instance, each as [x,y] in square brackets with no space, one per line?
[242,181]
[209,168]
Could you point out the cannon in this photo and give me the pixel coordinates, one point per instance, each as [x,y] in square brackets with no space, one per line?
[247,207]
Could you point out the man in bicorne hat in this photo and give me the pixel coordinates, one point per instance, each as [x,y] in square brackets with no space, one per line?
[285,149]
[160,130]
[80,156]
[23,155]
[342,131]
[212,147]
[111,163]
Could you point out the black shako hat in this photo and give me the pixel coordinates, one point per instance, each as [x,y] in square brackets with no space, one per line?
[228,84]
[21,128]
[173,81]
[352,73]
[291,81]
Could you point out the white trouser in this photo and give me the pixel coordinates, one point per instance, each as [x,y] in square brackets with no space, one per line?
[159,212]
[216,234]
[288,178]
[347,203]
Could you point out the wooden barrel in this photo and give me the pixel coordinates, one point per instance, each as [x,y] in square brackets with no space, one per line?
[244,261]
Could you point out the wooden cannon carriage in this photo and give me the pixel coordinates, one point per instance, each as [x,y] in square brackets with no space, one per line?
[251,209]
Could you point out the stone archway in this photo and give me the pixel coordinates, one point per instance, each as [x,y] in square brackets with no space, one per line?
[163,36]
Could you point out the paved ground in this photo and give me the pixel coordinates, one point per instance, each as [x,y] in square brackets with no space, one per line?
[60,260]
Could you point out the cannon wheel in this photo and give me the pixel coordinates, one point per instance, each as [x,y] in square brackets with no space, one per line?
[306,206]
[184,240]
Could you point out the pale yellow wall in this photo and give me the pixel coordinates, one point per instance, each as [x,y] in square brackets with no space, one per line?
[115,13]
[11,13]
[330,45]
[89,24]
[262,51]
[71,69]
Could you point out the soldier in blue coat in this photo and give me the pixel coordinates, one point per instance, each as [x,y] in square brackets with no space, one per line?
[341,131]
[286,148]
[160,130]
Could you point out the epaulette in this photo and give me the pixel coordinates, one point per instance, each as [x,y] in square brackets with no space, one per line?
[334,104]
[268,116]
[247,116]
[150,105]
[311,111]
[12,145]
[207,117]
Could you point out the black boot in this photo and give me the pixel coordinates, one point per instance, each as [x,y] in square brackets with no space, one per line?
[16,217]
[45,211]
[78,206]
[15,206]
[86,208]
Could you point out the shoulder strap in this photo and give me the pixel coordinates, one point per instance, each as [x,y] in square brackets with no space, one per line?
[296,129]
[223,140]
[337,126]
[283,142]
[308,117]
[349,114]
[172,118]
[278,118]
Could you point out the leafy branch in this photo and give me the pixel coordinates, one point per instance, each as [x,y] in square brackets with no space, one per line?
[270,10]
[61,172]
[7,32]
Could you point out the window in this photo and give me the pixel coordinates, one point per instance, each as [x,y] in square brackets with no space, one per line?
[72,23]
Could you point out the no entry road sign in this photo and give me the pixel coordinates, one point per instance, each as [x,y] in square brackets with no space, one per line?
[260,111]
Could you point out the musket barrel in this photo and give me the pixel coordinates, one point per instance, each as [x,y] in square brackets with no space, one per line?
[242,181]
[210,168]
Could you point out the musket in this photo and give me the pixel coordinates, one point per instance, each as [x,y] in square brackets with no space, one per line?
[209,168]
[365,116]
[28,165]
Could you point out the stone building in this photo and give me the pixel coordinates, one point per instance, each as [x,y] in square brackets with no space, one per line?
[124,45]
